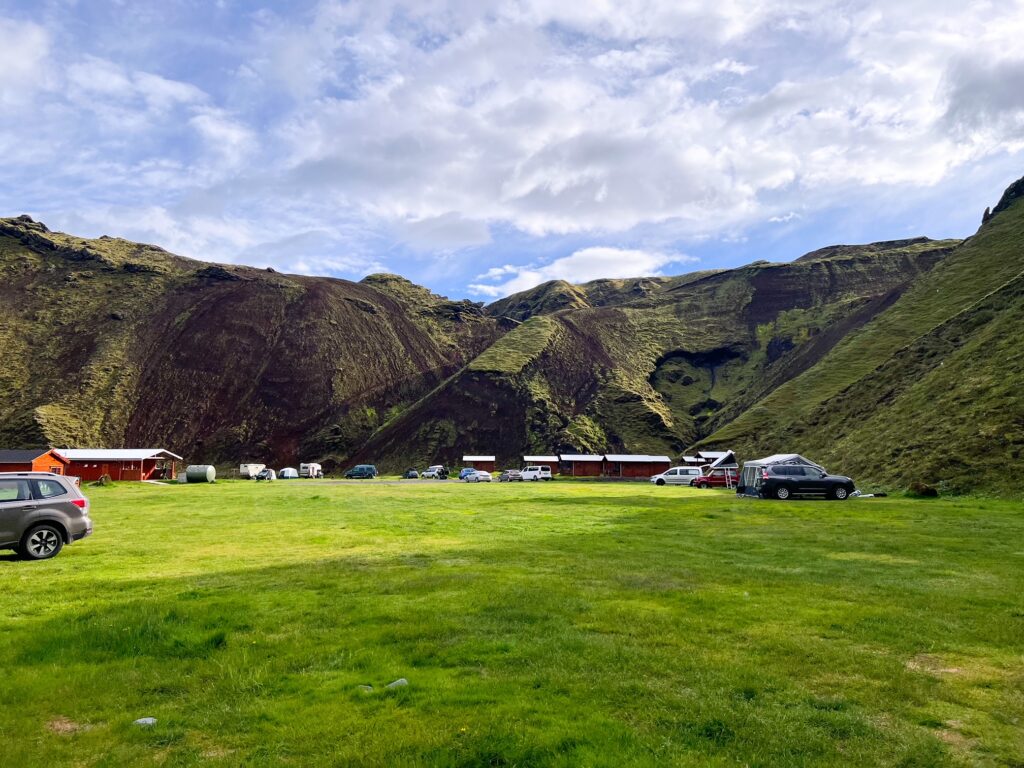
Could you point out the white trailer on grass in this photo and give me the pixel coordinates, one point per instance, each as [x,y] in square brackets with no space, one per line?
[249,471]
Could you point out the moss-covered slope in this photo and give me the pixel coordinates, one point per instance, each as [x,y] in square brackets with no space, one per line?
[648,365]
[114,343]
[928,390]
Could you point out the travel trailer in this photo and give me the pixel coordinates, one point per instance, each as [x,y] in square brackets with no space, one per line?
[249,471]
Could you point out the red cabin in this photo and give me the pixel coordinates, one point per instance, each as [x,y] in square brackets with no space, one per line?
[635,465]
[120,463]
[486,463]
[33,460]
[581,464]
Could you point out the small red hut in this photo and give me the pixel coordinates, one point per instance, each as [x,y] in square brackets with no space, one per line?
[120,463]
[32,460]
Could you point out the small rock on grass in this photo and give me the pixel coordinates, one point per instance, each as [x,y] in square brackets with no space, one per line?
[397,683]
[365,688]
[145,722]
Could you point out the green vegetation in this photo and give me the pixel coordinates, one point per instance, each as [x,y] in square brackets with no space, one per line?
[539,624]
[925,391]
[517,349]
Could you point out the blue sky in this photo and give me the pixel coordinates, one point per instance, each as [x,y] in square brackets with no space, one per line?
[482,146]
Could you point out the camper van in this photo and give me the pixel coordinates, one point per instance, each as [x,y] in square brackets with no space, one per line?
[310,470]
[249,471]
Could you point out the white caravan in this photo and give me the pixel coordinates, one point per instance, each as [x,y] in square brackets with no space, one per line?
[249,471]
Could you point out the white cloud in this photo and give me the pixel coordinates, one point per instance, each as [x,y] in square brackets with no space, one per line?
[24,60]
[580,267]
[446,124]
[226,138]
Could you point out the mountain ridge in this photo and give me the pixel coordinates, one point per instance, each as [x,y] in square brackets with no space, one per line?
[114,342]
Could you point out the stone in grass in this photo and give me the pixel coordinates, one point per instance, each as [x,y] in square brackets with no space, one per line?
[399,683]
[365,688]
[145,722]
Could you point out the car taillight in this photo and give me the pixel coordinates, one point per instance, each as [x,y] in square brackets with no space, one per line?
[81,503]
[764,475]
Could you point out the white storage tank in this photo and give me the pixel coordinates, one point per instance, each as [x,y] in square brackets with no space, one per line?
[200,473]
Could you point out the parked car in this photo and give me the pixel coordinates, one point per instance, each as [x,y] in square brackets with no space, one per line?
[537,472]
[676,476]
[465,471]
[361,472]
[410,474]
[478,476]
[435,472]
[783,481]
[717,478]
[40,512]
[266,474]
[510,476]
[288,473]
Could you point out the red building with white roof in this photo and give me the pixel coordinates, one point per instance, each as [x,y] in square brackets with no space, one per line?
[120,463]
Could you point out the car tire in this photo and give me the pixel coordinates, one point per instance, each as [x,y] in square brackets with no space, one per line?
[41,542]
[703,486]
[782,493]
[659,481]
[839,493]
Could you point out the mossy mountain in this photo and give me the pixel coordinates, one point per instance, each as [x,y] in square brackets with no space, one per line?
[892,361]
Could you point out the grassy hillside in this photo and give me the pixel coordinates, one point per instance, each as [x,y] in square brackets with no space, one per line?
[893,361]
[647,365]
[923,392]
[118,343]
[554,624]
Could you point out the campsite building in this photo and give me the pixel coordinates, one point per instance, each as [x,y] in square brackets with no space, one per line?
[550,461]
[486,463]
[709,457]
[120,463]
[635,465]
[581,464]
[33,460]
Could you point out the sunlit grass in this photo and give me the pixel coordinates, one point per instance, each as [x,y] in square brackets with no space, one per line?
[540,624]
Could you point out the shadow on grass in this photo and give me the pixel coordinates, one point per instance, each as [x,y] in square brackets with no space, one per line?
[626,636]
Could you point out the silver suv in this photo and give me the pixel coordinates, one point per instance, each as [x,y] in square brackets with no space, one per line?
[41,512]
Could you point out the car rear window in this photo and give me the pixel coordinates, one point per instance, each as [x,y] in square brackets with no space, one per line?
[48,489]
[14,490]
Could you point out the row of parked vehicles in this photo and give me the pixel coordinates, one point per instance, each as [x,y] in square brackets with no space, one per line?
[781,476]
[473,475]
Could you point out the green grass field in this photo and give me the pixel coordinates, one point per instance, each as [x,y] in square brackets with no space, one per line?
[542,624]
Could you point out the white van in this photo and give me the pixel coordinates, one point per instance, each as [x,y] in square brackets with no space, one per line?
[676,476]
[249,471]
[537,472]
[310,470]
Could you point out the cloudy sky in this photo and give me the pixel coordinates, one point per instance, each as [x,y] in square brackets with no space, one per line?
[481,146]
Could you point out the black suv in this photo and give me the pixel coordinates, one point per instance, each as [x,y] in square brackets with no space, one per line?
[361,472]
[783,481]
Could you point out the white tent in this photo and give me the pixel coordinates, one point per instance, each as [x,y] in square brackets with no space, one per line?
[288,473]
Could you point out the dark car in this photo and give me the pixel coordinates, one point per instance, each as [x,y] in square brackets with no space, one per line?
[784,481]
[411,474]
[40,512]
[361,472]
[465,471]
[510,476]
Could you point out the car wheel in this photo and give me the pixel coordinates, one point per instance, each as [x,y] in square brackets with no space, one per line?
[782,493]
[42,542]
[704,486]
[839,493]
[659,481]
